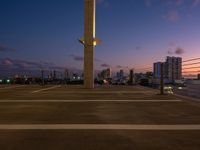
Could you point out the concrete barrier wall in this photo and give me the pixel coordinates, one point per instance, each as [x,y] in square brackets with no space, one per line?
[193,90]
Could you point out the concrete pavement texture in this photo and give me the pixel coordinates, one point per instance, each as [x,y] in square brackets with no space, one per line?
[71,107]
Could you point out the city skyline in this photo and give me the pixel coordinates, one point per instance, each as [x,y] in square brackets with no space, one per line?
[40,34]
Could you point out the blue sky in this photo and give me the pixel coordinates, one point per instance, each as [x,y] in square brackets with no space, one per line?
[134,33]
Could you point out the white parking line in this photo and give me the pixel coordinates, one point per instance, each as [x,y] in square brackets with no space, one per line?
[108,92]
[96,127]
[45,89]
[86,101]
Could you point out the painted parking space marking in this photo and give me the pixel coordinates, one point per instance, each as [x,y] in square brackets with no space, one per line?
[45,89]
[96,127]
[108,92]
[87,101]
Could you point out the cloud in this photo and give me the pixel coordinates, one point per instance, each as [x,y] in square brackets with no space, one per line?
[138,48]
[172,16]
[179,51]
[121,67]
[77,58]
[81,58]
[173,3]
[170,52]
[105,65]
[4,48]
[195,3]
[7,62]
[150,3]
[23,64]
[10,67]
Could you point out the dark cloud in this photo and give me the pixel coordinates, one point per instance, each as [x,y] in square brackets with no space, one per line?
[195,3]
[119,66]
[4,48]
[48,63]
[179,51]
[81,58]
[15,63]
[105,65]
[122,67]
[170,52]
[7,62]
[138,48]
[57,68]
[10,67]
[77,58]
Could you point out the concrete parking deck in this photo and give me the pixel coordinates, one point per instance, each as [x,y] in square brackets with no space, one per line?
[113,118]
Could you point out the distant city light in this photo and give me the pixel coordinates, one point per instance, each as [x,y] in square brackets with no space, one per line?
[180,88]
[1,80]
[8,81]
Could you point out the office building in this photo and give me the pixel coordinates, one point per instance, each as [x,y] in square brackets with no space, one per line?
[157,70]
[54,74]
[121,74]
[173,68]
[105,74]
[66,74]
[108,73]
[131,76]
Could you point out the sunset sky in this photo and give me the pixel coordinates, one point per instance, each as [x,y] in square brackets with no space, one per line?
[134,33]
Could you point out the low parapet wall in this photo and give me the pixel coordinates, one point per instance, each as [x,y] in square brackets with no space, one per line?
[193,90]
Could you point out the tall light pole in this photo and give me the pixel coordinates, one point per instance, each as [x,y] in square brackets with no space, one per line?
[89,41]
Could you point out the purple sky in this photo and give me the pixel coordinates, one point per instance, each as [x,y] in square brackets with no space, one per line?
[135,33]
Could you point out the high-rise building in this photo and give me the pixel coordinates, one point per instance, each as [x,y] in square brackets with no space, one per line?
[156,70]
[173,68]
[105,74]
[66,74]
[51,75]
[121,74]
[54,74]
[131,76]
[109,73]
